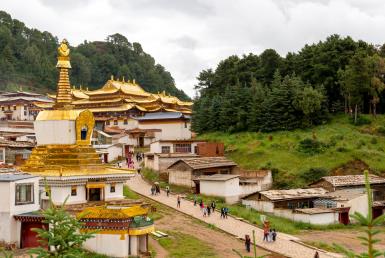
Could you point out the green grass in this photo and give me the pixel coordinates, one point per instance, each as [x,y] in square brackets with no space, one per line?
[323,245]
[128,193]
[153,176]
[279,150]
[180,245]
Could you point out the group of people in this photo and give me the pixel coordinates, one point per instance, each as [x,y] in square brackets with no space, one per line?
[155,189]
[208,209]
[139,157]
[224,212]
[269,235]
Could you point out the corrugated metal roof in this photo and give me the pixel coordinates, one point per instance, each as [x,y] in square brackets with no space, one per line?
[353,180]
[299,193]
[11,177]
[206,162]
[160,115]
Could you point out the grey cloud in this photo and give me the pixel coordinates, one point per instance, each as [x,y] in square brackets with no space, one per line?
[185,42]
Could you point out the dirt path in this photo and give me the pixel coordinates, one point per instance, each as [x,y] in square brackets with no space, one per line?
[287,245]
[220,241]
[160,251]
[346,238]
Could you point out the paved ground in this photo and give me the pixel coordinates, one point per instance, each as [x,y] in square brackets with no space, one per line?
[285,244]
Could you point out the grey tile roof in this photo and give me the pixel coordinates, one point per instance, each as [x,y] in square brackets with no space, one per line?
[11,177]
[206,162]
[351,180]
[161,115]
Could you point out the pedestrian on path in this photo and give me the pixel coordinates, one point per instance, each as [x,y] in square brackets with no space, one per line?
[213,206]
[222,213]
[274,235]
[247,243]
[316,255]
[178,202]
[208,210]
[265,234]
[201,205]
[195,200]
[204,211]
[270,236]
[226,211]
[152,190]
[168,190]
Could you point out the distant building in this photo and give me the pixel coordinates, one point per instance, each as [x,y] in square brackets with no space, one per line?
[15,152]
[294,204]
[187,171]
[21,105]
[19,196]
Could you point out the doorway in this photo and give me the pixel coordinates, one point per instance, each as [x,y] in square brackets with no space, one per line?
[29,238]
[343,217]
[94,194]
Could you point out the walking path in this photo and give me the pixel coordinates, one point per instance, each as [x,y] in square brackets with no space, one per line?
[286,244]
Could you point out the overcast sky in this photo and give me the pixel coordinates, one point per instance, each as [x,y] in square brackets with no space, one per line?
[187,36]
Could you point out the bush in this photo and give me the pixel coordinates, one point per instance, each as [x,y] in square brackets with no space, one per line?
[361,120]
[311,146]
[313,174]
[342,149]
[381,130]
[373,141]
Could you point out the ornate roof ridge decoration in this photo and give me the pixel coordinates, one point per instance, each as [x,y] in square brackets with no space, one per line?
[63,94]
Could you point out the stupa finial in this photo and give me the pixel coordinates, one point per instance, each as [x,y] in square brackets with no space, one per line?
[63,95]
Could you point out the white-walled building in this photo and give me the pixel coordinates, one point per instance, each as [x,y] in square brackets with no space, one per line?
[226,186]
[19,196]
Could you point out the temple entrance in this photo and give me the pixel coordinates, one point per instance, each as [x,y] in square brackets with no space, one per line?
[95,191]
[28,237]
[141,141]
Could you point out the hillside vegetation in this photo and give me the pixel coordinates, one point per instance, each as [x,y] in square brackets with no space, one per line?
[28,59]
[301,156]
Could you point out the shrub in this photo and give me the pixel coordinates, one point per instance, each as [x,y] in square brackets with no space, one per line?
[361,120]
[311,146]
[342,149]
[373,141]
[313,174]
[381,130]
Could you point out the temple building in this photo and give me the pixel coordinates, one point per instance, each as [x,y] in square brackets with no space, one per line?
[120,99]
[21,105]
[70,171]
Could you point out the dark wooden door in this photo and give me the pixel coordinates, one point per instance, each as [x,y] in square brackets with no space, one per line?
[377,212]
[28,237]
[344,218]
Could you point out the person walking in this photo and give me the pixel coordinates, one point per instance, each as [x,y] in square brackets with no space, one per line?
[152,190]
[265,234]
[270,236]
[247,243]
[204,211]
[316,255]
[195,200]
[208,210]
[201,204]
[274,235]
[213,206]
[168,190]
[226,212]
[178,202]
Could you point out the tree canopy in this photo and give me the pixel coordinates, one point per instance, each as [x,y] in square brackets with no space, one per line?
[268,92]
[28,58]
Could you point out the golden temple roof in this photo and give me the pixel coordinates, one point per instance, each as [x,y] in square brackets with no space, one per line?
[63,94]
[61,114]
[102,212]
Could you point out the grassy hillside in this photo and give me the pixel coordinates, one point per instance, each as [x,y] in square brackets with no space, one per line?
[296,162]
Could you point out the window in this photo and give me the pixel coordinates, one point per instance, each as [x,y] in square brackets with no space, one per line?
[9,107]
[183,148]
[115,122]
[74,191]
[14,107]
[290,205]
[185,124]
[47,191]
[107,122]
[2,108]
[125,122]
[165,149]
[83,133]
[24,194]
[112,188]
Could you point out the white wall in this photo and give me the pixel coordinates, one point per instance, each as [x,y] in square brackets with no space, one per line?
[18,209]
[170,131]
[109,244]
[118,194]
[246,189]
[114,152]
[228,188]
[59,194]
[177,177]
[55,132]
[259,205]
[316,219]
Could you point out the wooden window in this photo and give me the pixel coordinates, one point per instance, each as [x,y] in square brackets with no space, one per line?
[112,188]
[74,191]
[125,121]
[115,122]
[165,149]
[47,191]
[107,122]
[24,194]
[183,148]
[2,108]
[14,107]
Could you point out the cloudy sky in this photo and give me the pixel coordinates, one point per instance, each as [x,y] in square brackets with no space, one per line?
[187,36]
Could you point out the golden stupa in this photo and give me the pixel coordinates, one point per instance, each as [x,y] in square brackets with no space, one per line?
[64,134]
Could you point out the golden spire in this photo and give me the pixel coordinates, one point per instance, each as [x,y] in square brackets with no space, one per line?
[63,94]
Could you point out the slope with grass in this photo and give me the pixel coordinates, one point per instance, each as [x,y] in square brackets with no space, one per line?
[301,156]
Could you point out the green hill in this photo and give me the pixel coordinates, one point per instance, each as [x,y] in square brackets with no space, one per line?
[28,59]
[302,156]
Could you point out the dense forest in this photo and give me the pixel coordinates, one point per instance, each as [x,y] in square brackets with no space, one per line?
[28,59]
[268,92]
